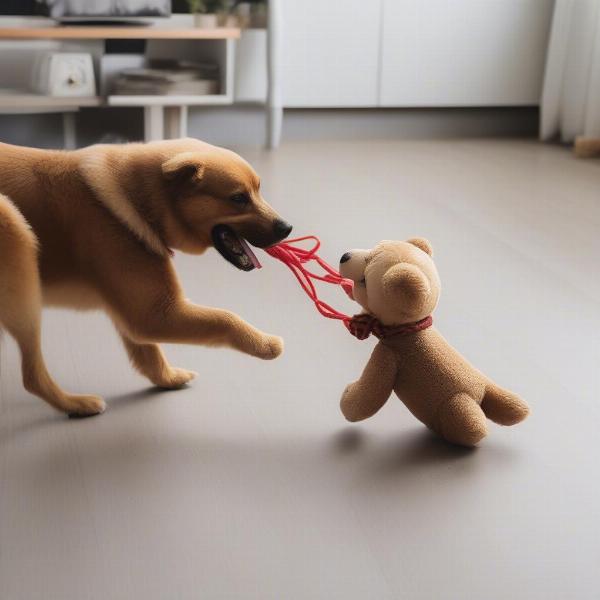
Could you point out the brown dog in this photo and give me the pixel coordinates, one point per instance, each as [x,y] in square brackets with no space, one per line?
[95,228]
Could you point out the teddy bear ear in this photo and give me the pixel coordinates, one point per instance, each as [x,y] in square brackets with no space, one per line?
[407,280]
[422,244]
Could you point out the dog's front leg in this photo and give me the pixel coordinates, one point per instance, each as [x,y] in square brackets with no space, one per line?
[149,307]
[150,361]
[182,322]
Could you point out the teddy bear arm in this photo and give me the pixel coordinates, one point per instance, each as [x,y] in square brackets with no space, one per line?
[363,398]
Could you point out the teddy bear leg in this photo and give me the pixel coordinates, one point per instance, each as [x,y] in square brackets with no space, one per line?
[503,407]
[461,421]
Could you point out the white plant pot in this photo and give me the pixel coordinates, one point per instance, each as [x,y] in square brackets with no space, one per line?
[206,21]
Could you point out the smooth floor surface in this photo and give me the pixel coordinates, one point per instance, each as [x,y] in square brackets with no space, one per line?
[249,483]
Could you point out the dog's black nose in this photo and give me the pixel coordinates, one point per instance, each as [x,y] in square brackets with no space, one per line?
[345,257]
[282,229]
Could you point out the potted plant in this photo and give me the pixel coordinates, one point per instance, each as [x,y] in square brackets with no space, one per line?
[225,15]
[205,12]
[251,14]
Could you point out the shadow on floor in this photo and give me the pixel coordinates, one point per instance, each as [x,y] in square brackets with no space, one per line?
[40,422]
[413,453]
[123,400]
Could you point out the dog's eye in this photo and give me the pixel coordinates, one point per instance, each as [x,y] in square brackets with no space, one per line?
[363,281]
[240,199]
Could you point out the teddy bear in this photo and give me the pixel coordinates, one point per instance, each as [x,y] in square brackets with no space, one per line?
[398,286]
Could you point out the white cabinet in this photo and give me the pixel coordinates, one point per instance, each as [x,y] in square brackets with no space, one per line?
[463,52]
[330,55]
[402,53]
[251,66]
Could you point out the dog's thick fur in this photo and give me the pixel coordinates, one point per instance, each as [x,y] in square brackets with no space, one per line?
[95,229]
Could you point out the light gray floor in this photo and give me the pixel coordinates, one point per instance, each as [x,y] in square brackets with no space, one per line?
[249,484]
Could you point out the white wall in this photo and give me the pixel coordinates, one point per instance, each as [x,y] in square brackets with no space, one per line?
[463,52]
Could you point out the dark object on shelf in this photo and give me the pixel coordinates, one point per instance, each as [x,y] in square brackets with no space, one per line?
[181,6]
[19,7]
[85,10]
[125,46]
[105,22]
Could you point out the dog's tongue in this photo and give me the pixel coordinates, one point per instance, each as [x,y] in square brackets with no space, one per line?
[253,259]
[234,249]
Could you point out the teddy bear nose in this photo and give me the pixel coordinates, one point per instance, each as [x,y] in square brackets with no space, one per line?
[345,257]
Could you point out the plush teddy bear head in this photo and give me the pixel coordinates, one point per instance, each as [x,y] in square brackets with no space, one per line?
[396,282]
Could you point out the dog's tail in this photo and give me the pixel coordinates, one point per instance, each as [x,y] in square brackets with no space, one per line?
[18,266]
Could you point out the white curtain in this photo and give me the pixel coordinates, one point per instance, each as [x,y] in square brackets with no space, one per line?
[571,94]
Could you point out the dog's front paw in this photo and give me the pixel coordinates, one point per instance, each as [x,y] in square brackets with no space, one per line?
[84,406]
[271,348]
[174,378]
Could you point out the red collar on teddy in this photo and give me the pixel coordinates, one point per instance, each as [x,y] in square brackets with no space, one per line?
[363,325]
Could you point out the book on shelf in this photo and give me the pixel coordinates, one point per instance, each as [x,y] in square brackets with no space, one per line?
[168,78]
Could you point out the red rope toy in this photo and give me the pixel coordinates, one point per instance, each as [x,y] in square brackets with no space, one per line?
[360,326]
[295,258]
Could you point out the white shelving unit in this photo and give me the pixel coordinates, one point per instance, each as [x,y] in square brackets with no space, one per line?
[164,116]
[22,103]
[139,100]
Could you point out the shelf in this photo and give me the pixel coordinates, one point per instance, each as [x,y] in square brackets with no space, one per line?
[165,116]
[24,101]
[139,100]
[117,33]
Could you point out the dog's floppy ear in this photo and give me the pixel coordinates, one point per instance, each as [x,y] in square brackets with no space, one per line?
[183,168]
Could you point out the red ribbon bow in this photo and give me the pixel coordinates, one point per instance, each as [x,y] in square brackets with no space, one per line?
[362,326]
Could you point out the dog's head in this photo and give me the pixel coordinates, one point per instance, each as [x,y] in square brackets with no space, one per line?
[215,196]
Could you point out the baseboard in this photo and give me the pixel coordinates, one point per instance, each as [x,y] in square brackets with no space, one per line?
[245,125]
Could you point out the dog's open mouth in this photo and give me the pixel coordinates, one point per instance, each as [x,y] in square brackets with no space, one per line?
[234,248]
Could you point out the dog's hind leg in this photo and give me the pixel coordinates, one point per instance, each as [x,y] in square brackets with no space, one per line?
[20,312]
[150,361]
